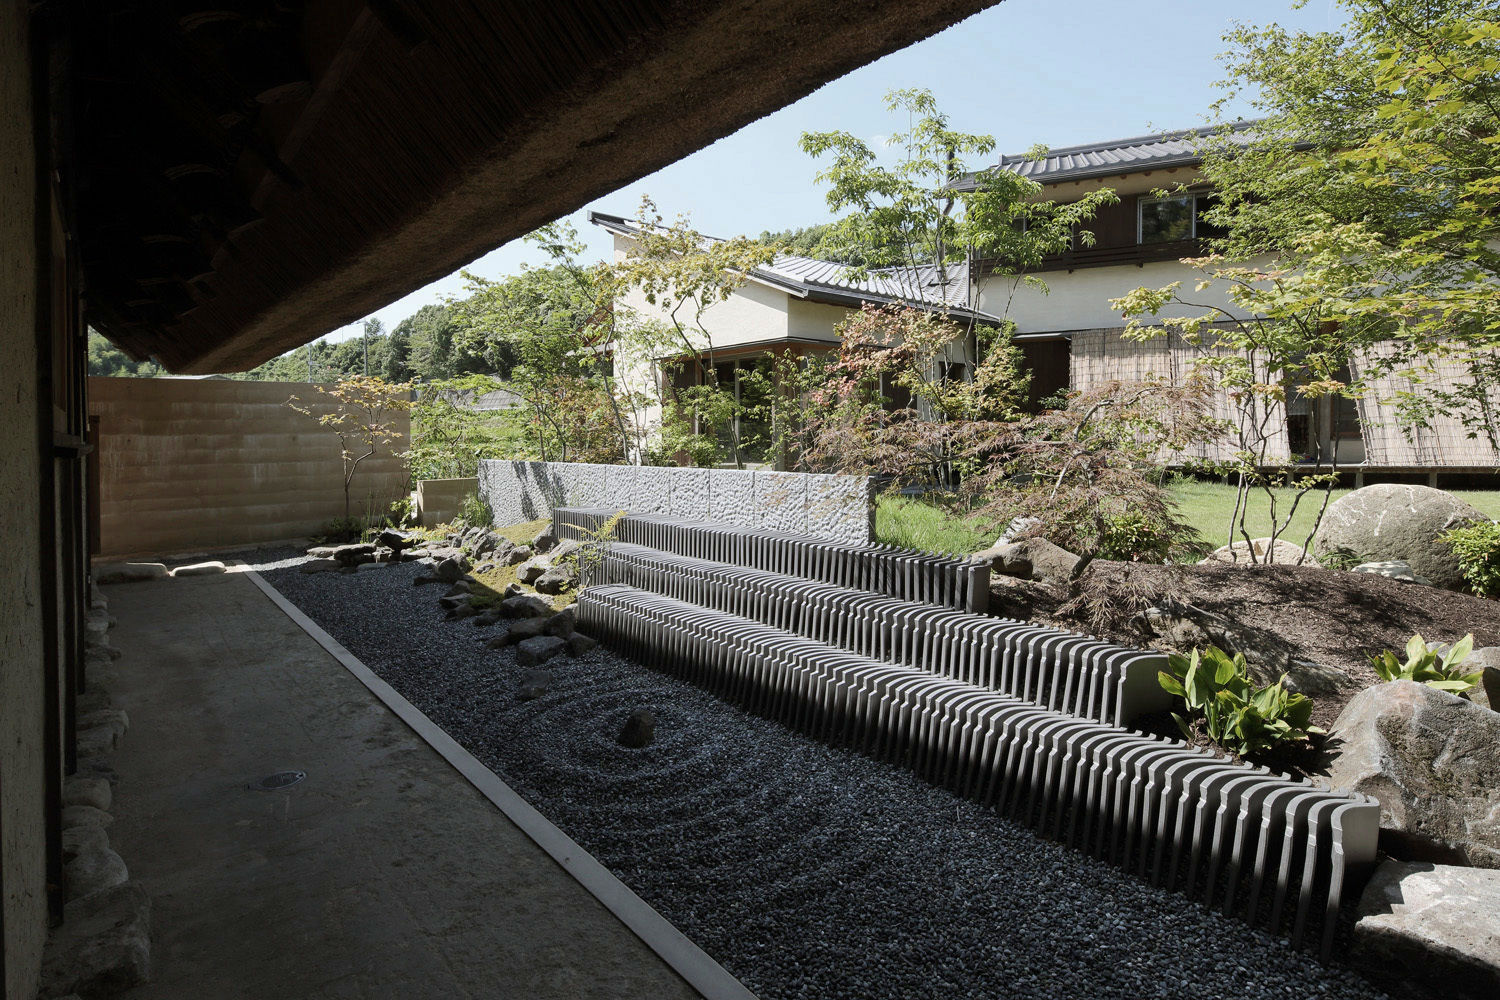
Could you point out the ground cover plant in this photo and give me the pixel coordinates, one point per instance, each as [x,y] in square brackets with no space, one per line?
[1426,665]
[1222,699]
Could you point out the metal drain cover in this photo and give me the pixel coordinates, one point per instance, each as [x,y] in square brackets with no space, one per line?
[276,782]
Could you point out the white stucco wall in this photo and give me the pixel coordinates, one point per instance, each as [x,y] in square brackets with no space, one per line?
[1079,300]
[814,320]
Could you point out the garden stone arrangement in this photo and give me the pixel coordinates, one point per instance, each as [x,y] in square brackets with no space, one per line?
[808,870]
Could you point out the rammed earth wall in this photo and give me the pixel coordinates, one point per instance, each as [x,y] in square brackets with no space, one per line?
[837,507]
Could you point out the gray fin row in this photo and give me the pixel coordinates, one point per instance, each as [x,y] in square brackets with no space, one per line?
[1056,669]
[886,569]
[1279,852]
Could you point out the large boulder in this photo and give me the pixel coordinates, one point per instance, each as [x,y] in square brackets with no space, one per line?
[1437,925]
[539,649]
[1395,522]
[1031,558]
[1261,551]
[1430,758]
[558,579]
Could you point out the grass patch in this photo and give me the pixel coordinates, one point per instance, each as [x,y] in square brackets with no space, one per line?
[913,524]
[523,533]
[1207,507]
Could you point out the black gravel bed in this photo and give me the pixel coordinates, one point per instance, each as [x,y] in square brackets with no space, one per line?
[805,870]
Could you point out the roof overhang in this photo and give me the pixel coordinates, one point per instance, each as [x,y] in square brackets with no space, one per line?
[252,176]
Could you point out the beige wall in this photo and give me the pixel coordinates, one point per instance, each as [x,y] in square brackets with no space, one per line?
[187,465]
[440,500]
[22,699]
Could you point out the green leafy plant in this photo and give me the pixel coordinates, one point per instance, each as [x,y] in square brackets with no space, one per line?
[475,512]
[1238,716]
[340,530]
[1478,549]
[403,511]
[1426,666]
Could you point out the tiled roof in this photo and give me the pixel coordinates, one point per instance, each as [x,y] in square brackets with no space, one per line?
[1118,156]
[809,277]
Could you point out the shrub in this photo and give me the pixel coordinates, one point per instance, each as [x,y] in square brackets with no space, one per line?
[403,512]
[340,530]
[1424,665]
[1235,714]
[1478,551]
[475,512]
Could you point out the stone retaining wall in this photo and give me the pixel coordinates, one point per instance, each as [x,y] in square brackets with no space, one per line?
[836,507]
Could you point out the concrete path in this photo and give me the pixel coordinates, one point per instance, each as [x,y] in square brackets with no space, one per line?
[383,874]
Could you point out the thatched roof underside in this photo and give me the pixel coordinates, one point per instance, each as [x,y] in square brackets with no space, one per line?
[250,175]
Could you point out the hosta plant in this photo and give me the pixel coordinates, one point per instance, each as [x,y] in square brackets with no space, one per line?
[1240,717]
[1426,666]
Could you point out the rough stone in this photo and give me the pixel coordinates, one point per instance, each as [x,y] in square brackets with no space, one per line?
[94,869]
[392,539]
[518,555]
[81,791]
[1437,925]
[85,816]
[1018,528]
[321,551]
[1389,522]
[450,570]
[533,569]
[354,553]
[543,541]
[103,946]
[129,572]
[526,606]
[77,839]
[377,564]
[459,587]
[486,618]
[533,684]
[200,569]
[562,623]
[539,649]
[515,590]
[320,565]
[1007,559]
[1429,758]
[523,629]
[1392,569]
[1282,553]
[639,729]
[558,579]
[564,549]
[462,611]
[578,644]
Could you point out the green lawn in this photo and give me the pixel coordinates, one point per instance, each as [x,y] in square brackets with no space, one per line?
[1206,506]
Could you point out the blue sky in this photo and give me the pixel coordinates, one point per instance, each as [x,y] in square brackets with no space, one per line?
[1024,71]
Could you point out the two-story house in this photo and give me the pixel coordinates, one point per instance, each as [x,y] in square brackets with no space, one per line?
[1072,338]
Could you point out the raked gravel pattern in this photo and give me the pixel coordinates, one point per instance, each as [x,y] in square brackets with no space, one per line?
[806,871]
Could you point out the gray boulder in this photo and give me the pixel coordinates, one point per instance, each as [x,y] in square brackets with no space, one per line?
[564,549]
[1389,522]
[1429,757]
[562,623]
[1261,551]
[85,816]
[543,541]
[83,791]
[533,684]
[1437,925]
[533,569]
[354,553]
[450,570]
[539,649]
[94,869]
[526,606]
[1006,559]
[518,555]
[523,629]
[129,572]
[209,568]
[320,565]
[639,730]
[393,539]
[1392,569]
[558,579]
[103,946]
[578,644]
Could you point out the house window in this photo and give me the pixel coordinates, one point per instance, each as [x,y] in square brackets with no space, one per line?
[1175,218]
[1165,220]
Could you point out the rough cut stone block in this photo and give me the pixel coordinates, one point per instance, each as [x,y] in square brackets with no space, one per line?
[1436,924]
[731,496]
[499,487]
[620,486]
[586,484]
[689,497]
[653,491]
[781,501]
[838,507]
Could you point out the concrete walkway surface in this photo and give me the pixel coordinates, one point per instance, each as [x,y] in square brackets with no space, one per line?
[383,874]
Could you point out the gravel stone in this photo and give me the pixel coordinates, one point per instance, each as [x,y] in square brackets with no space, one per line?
[807,871]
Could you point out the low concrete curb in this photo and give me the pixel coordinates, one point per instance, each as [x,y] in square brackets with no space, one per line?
[671,945]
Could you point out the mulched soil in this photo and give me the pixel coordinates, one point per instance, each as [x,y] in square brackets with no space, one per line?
[1331,617]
